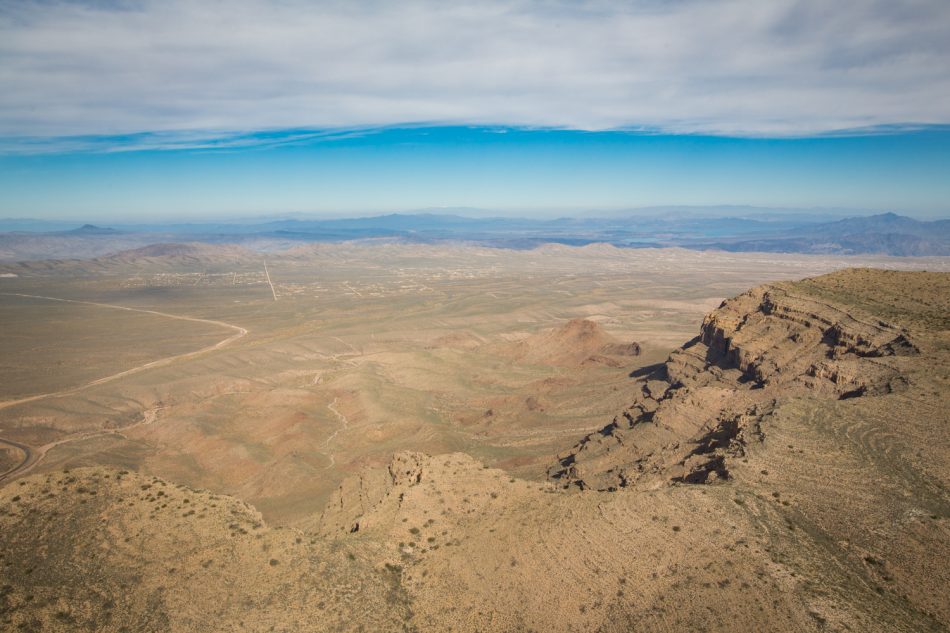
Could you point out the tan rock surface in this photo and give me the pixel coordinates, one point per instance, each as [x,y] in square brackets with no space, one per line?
[785,471]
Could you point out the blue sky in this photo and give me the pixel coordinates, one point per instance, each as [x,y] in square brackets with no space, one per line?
[528,172]
[148,109]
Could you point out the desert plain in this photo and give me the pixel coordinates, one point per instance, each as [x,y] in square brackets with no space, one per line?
[389,436]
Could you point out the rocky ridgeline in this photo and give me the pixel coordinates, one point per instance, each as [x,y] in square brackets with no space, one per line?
[358,496]
[701,408]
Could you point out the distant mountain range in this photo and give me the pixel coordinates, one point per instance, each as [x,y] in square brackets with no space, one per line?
[753,230]
[887,233]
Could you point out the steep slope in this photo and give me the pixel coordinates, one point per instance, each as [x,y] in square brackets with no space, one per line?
[478,551]
[106,550]
[830,395]
[692,414]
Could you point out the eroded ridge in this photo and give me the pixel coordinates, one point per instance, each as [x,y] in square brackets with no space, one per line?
[699,409]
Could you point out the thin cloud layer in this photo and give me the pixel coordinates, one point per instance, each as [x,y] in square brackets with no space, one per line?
[188,71]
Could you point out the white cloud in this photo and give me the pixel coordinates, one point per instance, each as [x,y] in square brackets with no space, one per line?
[187,69]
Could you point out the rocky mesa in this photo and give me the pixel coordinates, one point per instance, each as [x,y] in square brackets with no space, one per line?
[692,414]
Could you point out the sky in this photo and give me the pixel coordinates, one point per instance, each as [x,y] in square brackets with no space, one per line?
[129,110]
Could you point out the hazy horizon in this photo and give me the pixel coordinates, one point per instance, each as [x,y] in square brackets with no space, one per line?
[671,212]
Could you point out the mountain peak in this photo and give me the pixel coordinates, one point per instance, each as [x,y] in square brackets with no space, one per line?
[92,229]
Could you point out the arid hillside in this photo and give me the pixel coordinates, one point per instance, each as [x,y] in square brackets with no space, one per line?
[577,342]
[786,470]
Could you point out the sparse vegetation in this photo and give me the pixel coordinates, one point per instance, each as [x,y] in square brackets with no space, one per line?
[505,543]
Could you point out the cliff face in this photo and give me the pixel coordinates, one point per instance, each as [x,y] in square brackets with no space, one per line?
[693,414]
[375,493]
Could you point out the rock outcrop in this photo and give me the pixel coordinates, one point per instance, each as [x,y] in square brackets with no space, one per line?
[698,410]
[364,494]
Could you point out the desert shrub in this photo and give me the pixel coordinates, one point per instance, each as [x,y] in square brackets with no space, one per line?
[65,617]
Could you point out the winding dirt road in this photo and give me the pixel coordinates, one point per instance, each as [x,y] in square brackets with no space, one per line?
[29,458]
[33,455]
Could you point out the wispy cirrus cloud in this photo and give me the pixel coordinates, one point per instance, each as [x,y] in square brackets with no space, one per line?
[216,140]
[177,73]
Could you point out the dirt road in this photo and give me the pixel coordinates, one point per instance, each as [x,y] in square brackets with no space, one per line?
[32,455]
[29,458]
